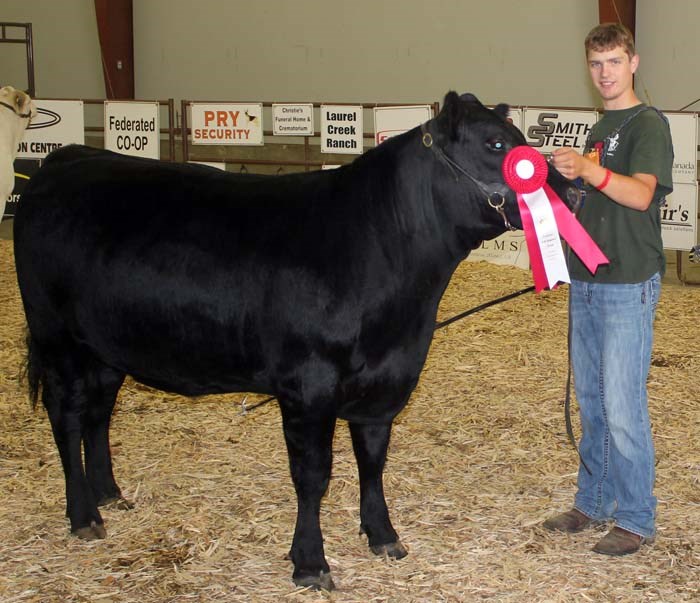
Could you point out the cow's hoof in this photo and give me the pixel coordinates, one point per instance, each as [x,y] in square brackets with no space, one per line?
[321,582]
[395,550]
[116,502]
[94,531]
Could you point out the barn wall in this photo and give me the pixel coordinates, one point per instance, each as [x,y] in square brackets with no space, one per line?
[394,50]
[669,47]
[67,60]
[389,50]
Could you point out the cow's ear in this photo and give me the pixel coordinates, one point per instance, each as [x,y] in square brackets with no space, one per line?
[19,101]
[468,97]
[502,109]
[451,102]
[451,114]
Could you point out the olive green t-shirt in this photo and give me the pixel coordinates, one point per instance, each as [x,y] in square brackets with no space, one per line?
[631,239]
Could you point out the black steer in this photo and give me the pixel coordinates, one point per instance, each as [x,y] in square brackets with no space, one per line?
[320,289]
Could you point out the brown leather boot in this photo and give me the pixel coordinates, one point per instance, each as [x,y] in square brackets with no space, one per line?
[570,521]
[618,542]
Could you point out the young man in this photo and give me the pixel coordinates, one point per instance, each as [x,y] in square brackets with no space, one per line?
[627,170]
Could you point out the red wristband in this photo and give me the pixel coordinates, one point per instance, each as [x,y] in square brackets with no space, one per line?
[604,183]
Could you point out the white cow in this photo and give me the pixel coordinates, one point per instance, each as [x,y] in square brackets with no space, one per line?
[16,110]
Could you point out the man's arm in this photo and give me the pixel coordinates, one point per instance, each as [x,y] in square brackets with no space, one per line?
[635,191]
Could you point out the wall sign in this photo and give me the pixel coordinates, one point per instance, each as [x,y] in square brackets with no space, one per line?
[341,129]
[293,119]
[227,123]
[132,128]
[390,121]
[56,124]
[548,129]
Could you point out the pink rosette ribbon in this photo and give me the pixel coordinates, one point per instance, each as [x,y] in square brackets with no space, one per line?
[545,218]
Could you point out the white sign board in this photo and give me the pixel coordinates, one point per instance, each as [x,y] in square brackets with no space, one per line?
[132,128]
[684,133]
[549,129]
[390,121]
[227,123]
[293,120]
[219,165]
[56,124]
[515,116]
[509,249]
[679,217]
[341,129]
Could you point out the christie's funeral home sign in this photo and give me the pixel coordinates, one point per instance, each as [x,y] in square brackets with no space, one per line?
[132,128]
[293,119]
[341,129]
[227,123]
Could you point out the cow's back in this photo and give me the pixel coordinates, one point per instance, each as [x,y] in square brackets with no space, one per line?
[196,280]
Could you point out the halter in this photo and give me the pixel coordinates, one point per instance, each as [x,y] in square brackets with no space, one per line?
[495,192]
[11,108]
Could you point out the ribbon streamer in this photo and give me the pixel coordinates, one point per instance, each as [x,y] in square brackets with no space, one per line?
[545,218]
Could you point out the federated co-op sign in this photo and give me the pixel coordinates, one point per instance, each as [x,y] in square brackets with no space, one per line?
[131,128]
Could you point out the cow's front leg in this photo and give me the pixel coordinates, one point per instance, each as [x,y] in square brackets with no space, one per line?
[370,443]
[309,441]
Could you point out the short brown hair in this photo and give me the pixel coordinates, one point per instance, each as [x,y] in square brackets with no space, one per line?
[607,36]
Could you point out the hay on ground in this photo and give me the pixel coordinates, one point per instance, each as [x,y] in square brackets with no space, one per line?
[477,460]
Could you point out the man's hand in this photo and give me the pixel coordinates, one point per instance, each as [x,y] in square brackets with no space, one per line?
[635,191]
[571,164]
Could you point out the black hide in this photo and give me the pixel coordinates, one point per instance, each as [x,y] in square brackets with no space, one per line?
[318,288]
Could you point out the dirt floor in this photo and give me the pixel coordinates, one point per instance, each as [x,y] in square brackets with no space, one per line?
[478,460]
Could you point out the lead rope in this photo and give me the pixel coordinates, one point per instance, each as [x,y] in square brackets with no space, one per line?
[567,398]
[245,408]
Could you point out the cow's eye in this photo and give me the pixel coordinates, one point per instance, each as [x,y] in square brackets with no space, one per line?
[496,145]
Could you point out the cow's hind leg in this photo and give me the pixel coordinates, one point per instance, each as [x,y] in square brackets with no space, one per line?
[67,386]
[98,458]
[370,443]
[309,439]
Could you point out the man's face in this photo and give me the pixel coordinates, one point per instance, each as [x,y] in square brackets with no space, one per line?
[611,72]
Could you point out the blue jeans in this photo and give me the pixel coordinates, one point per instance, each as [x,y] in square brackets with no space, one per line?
[611,339]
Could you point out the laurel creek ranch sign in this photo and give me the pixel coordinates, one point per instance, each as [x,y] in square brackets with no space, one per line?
[341,129]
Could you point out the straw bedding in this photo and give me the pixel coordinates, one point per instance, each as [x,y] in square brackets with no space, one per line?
[477,460]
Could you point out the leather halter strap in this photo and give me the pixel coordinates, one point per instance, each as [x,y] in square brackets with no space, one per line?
[11,108]
[495,192]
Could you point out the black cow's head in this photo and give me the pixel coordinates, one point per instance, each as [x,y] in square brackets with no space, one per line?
[470,142]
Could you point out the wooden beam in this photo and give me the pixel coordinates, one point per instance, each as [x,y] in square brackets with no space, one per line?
[618,11]
[116,32]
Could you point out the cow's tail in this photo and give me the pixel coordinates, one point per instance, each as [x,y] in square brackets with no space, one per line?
[32,370]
